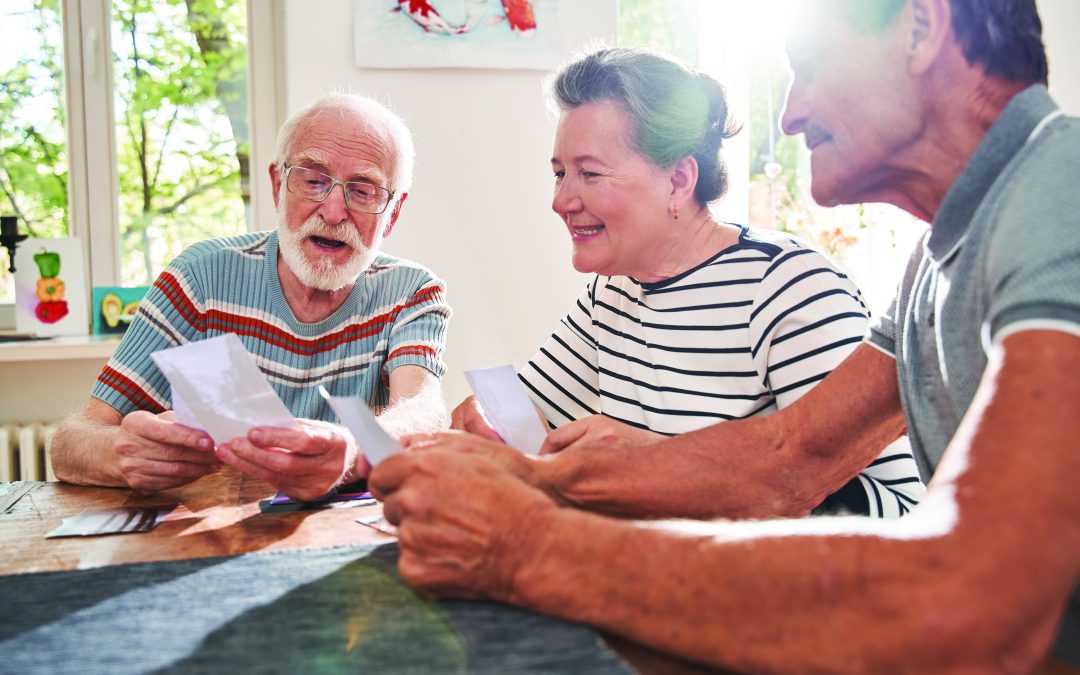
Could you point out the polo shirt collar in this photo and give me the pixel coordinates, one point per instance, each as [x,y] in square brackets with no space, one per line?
[1008,134]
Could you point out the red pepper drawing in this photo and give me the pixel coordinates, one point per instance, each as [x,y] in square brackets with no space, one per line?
[51,312]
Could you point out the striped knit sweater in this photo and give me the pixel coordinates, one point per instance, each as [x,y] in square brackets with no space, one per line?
[396,315]
[746,332]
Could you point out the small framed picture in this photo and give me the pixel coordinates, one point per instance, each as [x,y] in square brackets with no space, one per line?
[50,288]
[113,308]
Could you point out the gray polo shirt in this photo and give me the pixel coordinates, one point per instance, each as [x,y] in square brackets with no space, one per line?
[1002,256]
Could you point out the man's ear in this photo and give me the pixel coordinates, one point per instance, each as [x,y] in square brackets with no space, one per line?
[684,177]
[929,29]
[395,213]
[275,182]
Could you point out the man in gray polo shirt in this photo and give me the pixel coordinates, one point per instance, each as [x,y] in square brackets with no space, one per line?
[938,107]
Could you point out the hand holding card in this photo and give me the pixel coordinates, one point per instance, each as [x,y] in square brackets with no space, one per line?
[371,438]
[507,406]
[218,388]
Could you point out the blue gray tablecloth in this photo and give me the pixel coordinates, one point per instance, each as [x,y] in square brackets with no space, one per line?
[329,610]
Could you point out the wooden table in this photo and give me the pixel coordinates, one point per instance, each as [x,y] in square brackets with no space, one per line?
[224,519]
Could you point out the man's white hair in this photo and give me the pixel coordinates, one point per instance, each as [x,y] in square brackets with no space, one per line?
[379,118]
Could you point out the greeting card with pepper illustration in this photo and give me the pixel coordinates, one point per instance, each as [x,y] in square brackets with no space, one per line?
[50,288]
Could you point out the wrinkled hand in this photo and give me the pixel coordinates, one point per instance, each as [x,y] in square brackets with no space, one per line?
[497,452]
[464,524]
[468,416]
[596,431]
[304,462]
[154,453]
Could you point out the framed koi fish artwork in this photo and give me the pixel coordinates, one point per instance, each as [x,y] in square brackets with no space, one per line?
[519,34]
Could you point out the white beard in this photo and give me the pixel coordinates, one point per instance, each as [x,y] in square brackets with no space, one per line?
[324,275]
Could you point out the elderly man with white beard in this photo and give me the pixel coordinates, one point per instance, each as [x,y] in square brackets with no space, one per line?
[314,302]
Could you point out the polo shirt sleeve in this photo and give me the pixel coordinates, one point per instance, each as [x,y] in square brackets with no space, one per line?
[172,313]
[1033,258]
[881,333]
[418,337]
[563,378]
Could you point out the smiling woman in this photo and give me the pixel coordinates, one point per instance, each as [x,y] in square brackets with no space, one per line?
[688,320]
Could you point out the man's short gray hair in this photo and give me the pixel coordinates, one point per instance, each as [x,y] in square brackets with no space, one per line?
[1003,36]
[379,118]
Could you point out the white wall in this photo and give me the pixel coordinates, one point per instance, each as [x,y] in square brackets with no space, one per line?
[479,213]
[1061,19]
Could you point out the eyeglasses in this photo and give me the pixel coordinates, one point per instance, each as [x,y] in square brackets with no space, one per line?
[360,196]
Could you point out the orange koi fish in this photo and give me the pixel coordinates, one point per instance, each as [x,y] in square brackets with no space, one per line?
[520,15]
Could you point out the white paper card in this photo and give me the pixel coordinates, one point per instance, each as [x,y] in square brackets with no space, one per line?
[370,437]
[507,406]
[221,388]
[182,411]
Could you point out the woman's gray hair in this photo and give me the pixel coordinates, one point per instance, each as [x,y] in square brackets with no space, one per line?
[677,112]
[379,119]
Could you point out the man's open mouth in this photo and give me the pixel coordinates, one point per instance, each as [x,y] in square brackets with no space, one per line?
[328,243]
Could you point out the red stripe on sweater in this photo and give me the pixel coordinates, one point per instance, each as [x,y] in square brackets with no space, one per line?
[412,350]
[174,293]
[248,326]
[127,388]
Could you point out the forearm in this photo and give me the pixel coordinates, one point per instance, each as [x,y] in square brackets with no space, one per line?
[954,578]
[790,601]
[778,465]
[682,594]
[750,469]
[82,452]
[424,412]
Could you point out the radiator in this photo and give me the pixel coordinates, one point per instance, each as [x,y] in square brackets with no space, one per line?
[24,451]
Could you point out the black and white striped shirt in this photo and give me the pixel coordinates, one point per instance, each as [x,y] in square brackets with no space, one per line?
[746,332]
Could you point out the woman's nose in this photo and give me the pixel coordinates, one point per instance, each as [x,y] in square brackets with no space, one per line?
[565,199]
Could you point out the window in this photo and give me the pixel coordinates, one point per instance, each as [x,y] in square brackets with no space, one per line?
[126,123]
[33,154]
[741,45]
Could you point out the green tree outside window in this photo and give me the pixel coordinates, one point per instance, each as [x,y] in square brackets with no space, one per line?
[180,82]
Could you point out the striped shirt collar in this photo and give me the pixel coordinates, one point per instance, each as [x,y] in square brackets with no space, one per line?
[1012,130]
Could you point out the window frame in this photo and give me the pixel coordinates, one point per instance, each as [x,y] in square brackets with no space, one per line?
[93,186]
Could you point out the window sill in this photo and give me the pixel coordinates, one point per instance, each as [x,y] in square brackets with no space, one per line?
[97,347]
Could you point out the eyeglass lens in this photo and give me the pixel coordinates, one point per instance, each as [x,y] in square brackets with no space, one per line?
[359,195]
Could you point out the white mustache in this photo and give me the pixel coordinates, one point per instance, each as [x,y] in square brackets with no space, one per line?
[315,226]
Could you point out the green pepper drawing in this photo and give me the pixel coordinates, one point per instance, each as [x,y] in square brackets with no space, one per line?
[48,263]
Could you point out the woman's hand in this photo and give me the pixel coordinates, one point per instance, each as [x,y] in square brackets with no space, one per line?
[468,416]
[596,431]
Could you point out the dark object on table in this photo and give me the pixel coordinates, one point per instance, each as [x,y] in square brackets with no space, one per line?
[10,238]
[343,496]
